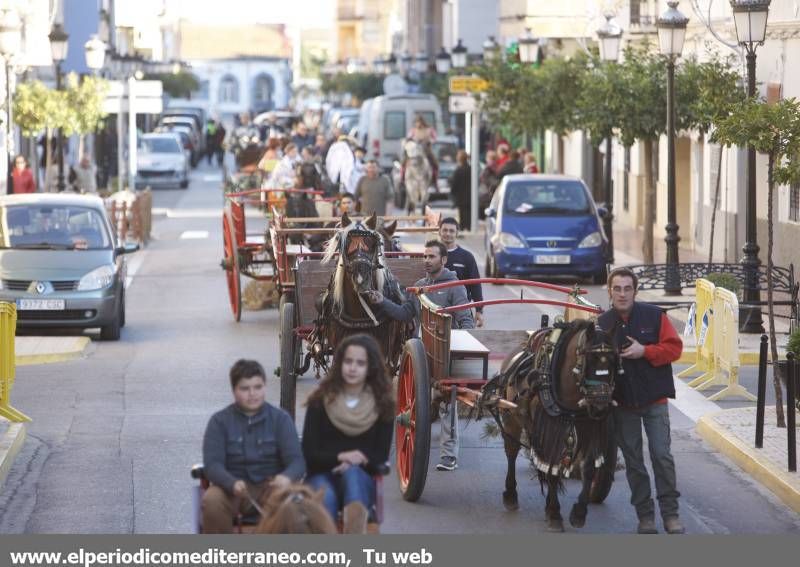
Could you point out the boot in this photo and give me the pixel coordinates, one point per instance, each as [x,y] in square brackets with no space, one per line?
[647,525]
[672,525]
[355,518]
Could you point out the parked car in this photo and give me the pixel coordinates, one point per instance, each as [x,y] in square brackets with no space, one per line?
[445,149]
[61,263]
[186,139]
[388,120]
[545,225]
[161,161]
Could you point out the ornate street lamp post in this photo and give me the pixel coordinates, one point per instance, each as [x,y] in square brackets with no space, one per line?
[443,62]
[421,63]
[58,47]
[459,56]
[609,37]
[671,34]
[528,48]
[750,17]
[491,50]
[10,46]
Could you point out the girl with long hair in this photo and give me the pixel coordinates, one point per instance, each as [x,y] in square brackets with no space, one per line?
[348,429]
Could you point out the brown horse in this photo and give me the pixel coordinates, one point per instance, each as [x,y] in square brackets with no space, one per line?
[296,510]
[342,307]
[561,381]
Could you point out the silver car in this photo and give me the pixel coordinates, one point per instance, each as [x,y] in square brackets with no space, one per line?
[161,162]
[61,263]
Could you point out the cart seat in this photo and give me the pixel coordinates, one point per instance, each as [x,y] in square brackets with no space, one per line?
[294,249]
[255,238]
[464,346]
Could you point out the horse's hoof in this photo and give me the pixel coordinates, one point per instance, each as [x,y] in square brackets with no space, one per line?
[555,525]
[577,516]
[510,501]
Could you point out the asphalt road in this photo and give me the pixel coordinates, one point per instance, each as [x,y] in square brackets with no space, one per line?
[114,435]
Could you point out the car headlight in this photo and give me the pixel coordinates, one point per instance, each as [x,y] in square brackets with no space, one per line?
[97,279]
[508,240]
[591,241]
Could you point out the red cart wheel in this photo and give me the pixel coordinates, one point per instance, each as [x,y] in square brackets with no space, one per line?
[231,265]
[413,423]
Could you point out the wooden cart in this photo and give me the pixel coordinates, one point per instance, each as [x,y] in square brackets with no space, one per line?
[426,369]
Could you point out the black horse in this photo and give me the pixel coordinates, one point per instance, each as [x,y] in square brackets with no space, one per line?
[562,380]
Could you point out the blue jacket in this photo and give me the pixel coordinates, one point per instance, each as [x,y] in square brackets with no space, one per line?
[251,448]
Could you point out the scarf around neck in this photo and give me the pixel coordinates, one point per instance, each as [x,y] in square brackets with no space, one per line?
[355,421]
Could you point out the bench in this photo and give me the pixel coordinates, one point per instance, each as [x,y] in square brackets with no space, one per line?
[463,346]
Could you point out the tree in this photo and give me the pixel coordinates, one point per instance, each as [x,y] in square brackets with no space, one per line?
[772,129]
[176,85]
[85,102]
[360,85]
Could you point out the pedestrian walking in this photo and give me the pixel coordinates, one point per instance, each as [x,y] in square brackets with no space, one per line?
[461,188]
[373,191]
[462,262]
[83,177]
[648,345]
[347,434]
[22,176]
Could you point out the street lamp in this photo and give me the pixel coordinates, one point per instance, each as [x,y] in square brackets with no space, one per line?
[405,63]
[459,56]
[671,28]
[750,18]
[443,62]
[391,63]
[95,51]
[610,37]
[378,65]
[528,47]
[58,47]
[491,50]
[421,63]
[10,45]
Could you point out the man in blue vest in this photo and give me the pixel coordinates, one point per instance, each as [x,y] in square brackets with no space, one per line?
[648,345]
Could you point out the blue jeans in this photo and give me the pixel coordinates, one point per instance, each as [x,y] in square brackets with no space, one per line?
[353,485]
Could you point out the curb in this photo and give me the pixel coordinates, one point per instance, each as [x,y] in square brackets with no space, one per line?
[10,445]
[76,348]
[749,460]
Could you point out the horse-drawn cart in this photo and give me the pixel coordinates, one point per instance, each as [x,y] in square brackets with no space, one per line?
[426,371]
[303,277]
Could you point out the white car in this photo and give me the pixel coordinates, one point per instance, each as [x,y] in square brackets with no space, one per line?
[161,162]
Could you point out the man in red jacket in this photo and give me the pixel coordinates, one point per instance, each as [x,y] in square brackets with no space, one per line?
[648,345]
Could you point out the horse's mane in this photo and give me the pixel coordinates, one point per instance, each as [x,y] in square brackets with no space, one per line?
[337,244]
[296,510]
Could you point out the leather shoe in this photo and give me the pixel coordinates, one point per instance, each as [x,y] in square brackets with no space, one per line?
[673,525]
[647,526]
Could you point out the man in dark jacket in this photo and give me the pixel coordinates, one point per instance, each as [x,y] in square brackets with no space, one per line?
[462,262]
[512,166]
[435,259]
[648,345]
[249,449]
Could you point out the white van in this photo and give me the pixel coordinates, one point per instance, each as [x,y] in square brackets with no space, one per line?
[386,120]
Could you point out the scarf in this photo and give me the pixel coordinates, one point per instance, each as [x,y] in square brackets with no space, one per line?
[355,421]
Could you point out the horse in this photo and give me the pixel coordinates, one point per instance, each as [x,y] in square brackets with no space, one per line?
[296,509]
[342,308]
[562,381]
[418,175]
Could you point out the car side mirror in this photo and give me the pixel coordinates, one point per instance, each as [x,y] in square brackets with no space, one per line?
[490,212]
[127,248]
[602,211]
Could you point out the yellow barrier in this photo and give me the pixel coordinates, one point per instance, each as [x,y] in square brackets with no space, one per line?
[575,314]
[703,333]
[726,348]
[8,327]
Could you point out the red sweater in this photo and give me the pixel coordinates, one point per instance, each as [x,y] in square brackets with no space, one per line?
[23,181]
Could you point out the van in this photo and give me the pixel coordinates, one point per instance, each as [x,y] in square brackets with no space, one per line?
[385,121]
[545,225]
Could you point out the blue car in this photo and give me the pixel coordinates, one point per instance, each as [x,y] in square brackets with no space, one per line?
[545,225]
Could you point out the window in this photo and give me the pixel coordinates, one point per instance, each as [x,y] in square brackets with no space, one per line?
[550,198]
[228,89]
[53,227]
[794,203]
[202,91]
[625,181]
[262,91]
[159,145]
[394,125]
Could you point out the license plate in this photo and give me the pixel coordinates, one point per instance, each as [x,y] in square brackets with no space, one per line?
[556,259]
[41,304]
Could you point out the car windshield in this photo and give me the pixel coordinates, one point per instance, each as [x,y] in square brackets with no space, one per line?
[159,146]
[445,152]
[546,198]
[52,227]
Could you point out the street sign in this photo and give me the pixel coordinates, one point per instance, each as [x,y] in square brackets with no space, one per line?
[147,97]
[465,84]
[459,103]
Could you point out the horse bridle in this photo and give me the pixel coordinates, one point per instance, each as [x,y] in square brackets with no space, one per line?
[593,390]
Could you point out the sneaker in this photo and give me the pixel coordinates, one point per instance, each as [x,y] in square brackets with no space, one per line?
[673,525]
[447,464]
[647,526]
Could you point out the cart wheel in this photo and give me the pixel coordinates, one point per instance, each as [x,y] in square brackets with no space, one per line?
[604,476]
[288,348]
[232,266]
[413,423]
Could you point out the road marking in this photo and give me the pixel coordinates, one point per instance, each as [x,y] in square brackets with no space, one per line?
[212,177]
[194,234]
[133,266]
